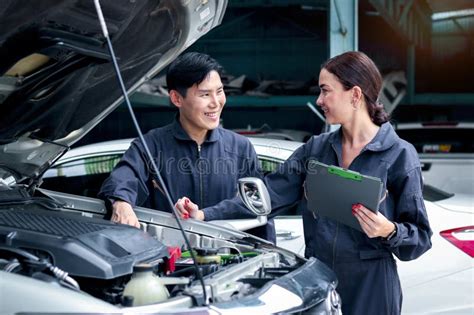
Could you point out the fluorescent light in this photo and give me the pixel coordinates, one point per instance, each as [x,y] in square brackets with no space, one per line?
[452,14]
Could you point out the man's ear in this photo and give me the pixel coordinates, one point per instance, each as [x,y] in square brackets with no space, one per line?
[176,98]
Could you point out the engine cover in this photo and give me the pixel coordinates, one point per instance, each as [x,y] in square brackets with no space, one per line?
[81,246]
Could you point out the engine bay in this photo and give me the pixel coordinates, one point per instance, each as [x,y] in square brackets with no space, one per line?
[79,250]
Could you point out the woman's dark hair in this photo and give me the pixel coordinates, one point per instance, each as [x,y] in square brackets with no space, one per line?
[189,69]
[355,68]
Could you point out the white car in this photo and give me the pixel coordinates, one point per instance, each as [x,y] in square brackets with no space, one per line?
[439,282]
[446,151]
[58,252]
[82,170]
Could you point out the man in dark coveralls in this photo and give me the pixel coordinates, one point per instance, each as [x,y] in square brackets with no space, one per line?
[197,158]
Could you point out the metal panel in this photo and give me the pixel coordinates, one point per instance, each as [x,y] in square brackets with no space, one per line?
[343,26]
[443,99]
[270,43]
[410,18]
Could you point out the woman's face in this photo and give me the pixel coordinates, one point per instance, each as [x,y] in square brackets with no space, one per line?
[333,99]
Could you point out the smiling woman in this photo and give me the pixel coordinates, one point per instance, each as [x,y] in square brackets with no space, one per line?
[366,143]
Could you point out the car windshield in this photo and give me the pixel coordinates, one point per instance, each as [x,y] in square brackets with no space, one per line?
[82,176]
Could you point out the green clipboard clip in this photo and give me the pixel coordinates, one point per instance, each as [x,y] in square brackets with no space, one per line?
[344,173]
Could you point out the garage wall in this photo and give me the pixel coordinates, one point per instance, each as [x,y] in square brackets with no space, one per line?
[288,42]
[284,43]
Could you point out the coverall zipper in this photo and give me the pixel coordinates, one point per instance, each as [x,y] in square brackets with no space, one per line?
[200,179]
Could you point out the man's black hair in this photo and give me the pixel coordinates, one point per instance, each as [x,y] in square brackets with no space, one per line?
[189,69]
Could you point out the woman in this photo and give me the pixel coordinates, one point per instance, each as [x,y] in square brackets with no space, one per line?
[366,142]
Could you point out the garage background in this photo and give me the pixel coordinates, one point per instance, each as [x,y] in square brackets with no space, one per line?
[274,48]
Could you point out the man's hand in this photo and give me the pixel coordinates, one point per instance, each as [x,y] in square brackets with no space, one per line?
[372,224]
[122,212]
[187,209]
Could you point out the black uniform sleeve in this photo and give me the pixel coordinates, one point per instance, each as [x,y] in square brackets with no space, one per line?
[413,236]
[235,208]
[285,187]
[128,180]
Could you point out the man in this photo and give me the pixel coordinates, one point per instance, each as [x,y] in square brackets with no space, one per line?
[196,158]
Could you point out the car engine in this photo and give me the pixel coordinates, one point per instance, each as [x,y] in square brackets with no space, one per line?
[79,250]
[100,255]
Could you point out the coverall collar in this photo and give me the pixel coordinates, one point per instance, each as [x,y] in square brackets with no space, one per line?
[383,140]
[180,134]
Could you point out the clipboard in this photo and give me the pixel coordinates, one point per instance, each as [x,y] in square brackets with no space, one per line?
[331,191]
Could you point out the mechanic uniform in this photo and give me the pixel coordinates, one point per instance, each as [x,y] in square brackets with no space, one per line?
[207,174]
[365,267]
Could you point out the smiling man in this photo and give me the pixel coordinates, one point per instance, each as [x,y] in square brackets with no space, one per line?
[197,158]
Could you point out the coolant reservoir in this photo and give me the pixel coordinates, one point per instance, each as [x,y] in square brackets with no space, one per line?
[145,287]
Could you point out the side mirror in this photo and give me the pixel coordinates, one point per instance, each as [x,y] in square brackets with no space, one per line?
[254,194]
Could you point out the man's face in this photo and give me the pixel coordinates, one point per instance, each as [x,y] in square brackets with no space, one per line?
[200,110]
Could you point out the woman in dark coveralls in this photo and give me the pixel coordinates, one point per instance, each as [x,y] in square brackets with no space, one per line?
[366,142]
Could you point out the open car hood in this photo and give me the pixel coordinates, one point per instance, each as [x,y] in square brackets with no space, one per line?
[57,81]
